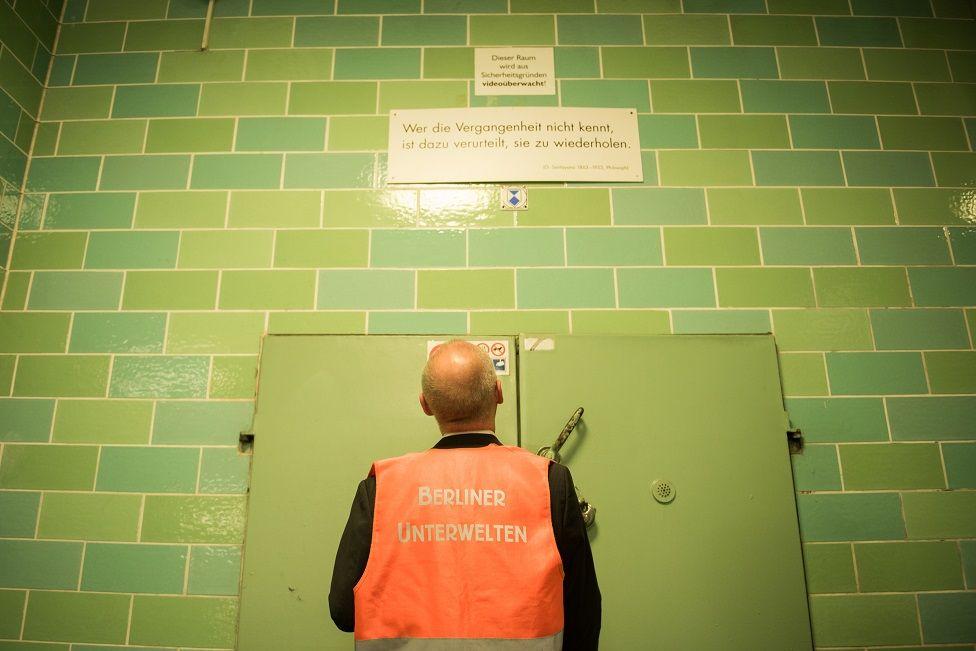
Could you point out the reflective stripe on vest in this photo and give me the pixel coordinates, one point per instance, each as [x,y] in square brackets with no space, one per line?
[463,554]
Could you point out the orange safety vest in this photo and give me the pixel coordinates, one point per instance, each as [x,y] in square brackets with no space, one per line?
[462,555]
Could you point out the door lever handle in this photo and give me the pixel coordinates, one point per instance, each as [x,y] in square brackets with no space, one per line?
[552,452]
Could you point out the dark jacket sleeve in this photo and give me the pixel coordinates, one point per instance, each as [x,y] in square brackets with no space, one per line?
[581,593]
[352,555]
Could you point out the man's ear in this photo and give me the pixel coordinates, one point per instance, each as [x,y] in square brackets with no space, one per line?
[499,396]
[425,406]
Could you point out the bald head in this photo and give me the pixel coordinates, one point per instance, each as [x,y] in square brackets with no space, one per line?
[459,387]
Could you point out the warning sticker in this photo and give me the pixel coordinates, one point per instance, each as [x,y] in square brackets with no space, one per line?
[497,350]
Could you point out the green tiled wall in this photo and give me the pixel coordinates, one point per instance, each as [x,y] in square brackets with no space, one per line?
[809,171]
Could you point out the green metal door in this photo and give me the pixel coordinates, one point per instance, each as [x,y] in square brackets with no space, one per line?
[327,407]
[719,567]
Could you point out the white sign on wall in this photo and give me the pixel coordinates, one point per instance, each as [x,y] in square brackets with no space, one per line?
[514,71]
[506,144]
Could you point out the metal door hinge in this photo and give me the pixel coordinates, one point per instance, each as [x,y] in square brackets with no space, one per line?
[245,441]
[794,437]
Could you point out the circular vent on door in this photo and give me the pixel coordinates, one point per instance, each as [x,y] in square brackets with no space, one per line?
[662,490]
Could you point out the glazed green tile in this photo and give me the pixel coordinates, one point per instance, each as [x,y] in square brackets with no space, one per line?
[378,6]
[355,133]
[130,68]
[291,7]
[170,290]
[797,168]
[49,467]
[134,568]
[193,519]
[568,62]
[912,418]
[75,290]
[820,330]
[109,332]
[102,421]
[803,374]
[453,63]
[48,250]
[968,549]
[743,132]
[873,97]
[157,35]
[605,93]
[954,169]
[820,63]
[938,33]
[963,241]
[622,322]
[61,375]
[184,621]
[192,9]
[418,322]
[599,30]
[513,30]
[951,372]
[336,31]
[906,65]
[665,288]
[215,332]
[226,249]
[773,30]
[77,617]
[164,100]
[943,287]
[734,62]
[424,30]
[89,210]
[703,246]
[15,296]
[892,7]
[902,245]
[694,96]
[135,376]
[33,332]
[613,246]
[321,248]
[562,288]
[933,206]
[147,470]
[948,617]
[201,66]
[862,287]
[236,171]
[698,168]
[898,465]
[120,10]
[845,620]
[224,470]
[248,98]
[291,64]
[19,510]
[62,67]
[466,6]
[190,135]
[569,207]
[512,321]
[366,289]
[337,170]
[214,570]
[89,516]
[233,377]
[832,420]
[515,247]
[940,514]
[7,363]
[181,209]
[132,250]
[667,131]
[888,168]
[724,6]
[267,289]
[77,103]
[858,31]
[774,96]
[200,423]
[645,62]
[63,174]
[807,246]
[816,468]
[962,65]
[686,29]
[375,207]
[764,288]
[919,329]
[250,209]
[825,206]
[926,133]
[229,33]
[77,38]
[20,84]
[25,420]
[102,137]
[46,142]
[720,321]
[834,132]
[317,322]
[329,98]
[876,373]
[865,516]
[829,568]
[417,248]
[377,63]
[167,172]
[486,288]
[960,464]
